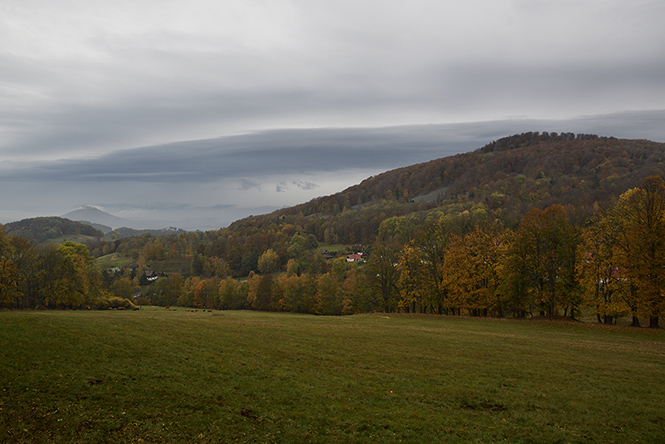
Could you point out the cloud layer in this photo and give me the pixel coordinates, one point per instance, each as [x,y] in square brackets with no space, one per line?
[207,184]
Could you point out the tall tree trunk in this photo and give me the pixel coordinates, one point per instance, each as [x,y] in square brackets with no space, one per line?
[653,322]
[636,322]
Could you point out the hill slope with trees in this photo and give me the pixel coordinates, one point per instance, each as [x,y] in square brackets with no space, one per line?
[506,177]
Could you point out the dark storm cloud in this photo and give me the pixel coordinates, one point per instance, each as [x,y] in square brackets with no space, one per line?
[260,154]
[250,157]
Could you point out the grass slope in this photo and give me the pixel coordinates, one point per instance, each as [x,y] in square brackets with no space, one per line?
[112,260]
[182,376]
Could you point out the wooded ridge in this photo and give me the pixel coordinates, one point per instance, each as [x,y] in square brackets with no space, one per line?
[507,177]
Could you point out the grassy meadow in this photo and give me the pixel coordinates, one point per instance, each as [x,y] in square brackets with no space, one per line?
[183,376]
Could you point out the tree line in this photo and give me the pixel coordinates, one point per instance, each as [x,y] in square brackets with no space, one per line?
[49,276]
[556,261]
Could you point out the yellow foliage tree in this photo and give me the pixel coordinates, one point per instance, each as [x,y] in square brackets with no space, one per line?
[473,268]
[268,261]
[640,214]
[602,270]
[9,274]
[414,282]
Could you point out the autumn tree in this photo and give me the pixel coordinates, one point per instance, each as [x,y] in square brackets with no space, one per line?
[186,298]
[206,294]
[297,246]
[27,262]
[602,271]
[259,292]
[414,282]
[214,266]
[153,250]
[357,298]
[232,294]
[196,267]
[474,265]
[71,284]
[167,289]
[547,242]
[329,294]
[431,240]
[641,213]
[9,274]
[382,275]
[123,288]
[517,283]
[268,262]
[295,291]
[292,267]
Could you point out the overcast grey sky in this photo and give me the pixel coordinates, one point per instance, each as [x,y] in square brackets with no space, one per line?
[197,112]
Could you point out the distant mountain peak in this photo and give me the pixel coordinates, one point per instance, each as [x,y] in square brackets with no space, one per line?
[90,213]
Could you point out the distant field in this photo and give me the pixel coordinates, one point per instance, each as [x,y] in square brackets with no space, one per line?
[113,260]
[183,376]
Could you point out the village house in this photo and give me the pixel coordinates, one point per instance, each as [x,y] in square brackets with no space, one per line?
[355,257]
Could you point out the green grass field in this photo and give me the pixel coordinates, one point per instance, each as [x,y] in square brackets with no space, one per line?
[181,376]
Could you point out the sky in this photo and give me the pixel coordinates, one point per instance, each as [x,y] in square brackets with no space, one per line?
[194,114]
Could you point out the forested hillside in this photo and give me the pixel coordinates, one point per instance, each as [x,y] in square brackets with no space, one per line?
[42,229]
[533,224]
[507,177]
